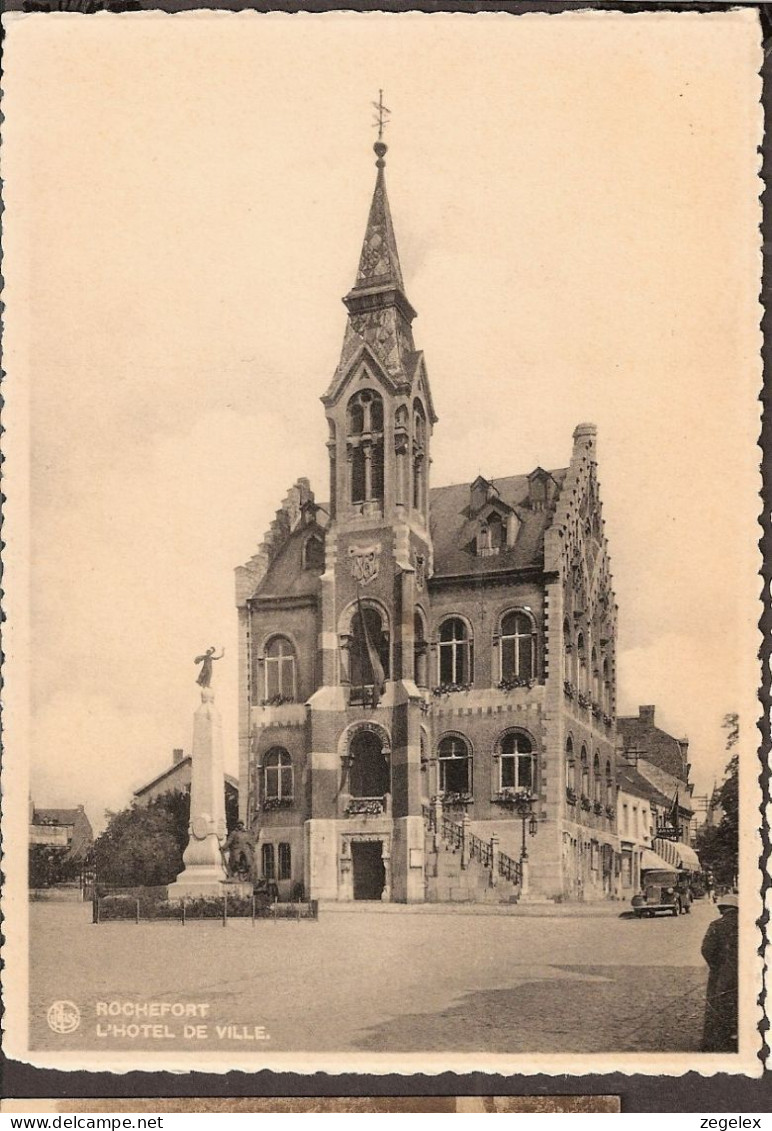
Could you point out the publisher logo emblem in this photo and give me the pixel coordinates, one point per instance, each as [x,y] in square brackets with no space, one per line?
[63,1016]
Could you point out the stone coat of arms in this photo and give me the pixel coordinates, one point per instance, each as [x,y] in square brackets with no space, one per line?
[364,562]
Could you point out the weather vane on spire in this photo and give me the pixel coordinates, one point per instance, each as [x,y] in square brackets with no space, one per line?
[380,121]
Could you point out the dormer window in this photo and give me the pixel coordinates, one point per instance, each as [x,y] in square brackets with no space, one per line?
[491,536]
[313,553]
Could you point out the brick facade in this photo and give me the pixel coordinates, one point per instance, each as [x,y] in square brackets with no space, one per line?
[402,643]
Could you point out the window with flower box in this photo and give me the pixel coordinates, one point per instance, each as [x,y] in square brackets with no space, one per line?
[277,778]
[517,647]
[455,764]
[570,770]
[369,774]
[585,772]
[517,763]
[456,653]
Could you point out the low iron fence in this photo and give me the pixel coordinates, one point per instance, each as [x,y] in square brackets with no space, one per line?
[138,906]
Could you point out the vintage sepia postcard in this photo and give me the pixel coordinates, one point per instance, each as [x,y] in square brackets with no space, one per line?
[380,675]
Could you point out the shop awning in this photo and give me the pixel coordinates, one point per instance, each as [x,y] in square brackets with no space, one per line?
[651,860]
[678,855]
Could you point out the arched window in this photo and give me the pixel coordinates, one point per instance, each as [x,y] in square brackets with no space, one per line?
[609,784]
[455,762]
[518,646]
[277,775]
[606,686]
[581,661]
[419,455]
[568,648]
[279,670]
[268,861]
[456,654]
[369,775]
[369,649]
[517,763]
[356,417]
[595,676]
[365,436]
[585,768]
[313,553]
[420,648]
[596,780]
[570,765]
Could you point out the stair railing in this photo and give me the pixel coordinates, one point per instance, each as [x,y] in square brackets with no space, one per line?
[487,853]
[510,869]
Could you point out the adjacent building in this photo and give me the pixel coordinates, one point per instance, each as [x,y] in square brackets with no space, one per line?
[68,829]
[416,658]
[177,778]
[657,764]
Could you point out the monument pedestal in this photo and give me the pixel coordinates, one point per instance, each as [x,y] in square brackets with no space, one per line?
[204,872]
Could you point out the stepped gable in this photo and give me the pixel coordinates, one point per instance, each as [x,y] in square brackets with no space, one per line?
[454,526]
[276,567]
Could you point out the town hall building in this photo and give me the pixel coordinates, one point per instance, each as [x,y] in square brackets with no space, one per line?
[427,673]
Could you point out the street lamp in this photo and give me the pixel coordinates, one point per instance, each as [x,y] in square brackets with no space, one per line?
[524,807]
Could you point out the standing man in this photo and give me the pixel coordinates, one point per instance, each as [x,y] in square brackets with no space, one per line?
[719,949]
[240,846]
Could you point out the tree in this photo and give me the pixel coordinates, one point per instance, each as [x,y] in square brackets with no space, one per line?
[718,845]
[51,864]
[143,845]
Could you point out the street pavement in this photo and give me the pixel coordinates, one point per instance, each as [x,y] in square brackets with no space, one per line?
[373,982]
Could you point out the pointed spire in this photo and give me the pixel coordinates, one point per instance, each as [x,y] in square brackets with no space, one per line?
[379,261]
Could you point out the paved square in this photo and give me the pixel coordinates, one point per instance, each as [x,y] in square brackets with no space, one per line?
[375,981]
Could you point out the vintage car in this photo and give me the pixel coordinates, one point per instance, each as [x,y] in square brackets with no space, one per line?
[662,891]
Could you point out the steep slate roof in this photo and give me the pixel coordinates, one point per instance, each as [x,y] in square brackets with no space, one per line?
[630,781]
[173,771]
[76,819]
[454,529]
[55,816]
[285,576]
[638,732]
[666,784]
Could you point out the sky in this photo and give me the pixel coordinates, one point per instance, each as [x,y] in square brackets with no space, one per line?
[575,205]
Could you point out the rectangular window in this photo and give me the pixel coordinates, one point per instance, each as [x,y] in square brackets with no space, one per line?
[269,864]
[285,862]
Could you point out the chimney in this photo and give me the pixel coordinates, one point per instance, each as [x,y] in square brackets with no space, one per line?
[177,756]
[646,715]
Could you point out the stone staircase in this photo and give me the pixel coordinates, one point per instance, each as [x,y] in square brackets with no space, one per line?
[463,868]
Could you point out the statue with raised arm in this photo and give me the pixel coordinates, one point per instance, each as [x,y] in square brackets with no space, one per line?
[204,678]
